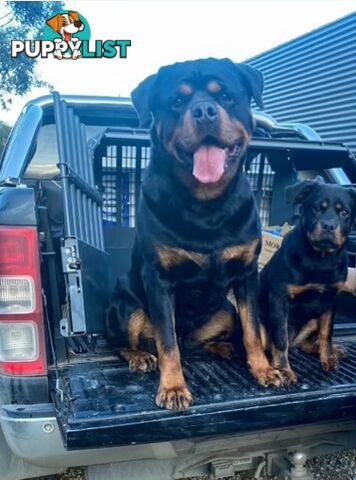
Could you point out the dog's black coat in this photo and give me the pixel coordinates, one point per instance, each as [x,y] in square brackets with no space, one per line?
[300,283]
[179,276]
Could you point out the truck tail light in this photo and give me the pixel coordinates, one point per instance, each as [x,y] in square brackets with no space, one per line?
[22,340]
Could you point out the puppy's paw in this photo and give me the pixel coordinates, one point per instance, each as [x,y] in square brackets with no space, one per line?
[330,362]
[340,351]
[224,350]
[176,398]
[268,376]
[140,361]
[76,54]
[288,376]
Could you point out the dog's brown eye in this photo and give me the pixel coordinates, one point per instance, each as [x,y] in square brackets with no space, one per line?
[225,97]
[317,209]
[343,213]
[178,103]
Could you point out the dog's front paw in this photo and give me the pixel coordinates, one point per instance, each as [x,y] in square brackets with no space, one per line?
[268,376]
[140,361]
[288,376]
[176,398]
[340,351]
[330,362]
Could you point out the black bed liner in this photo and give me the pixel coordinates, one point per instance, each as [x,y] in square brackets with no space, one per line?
[105,405]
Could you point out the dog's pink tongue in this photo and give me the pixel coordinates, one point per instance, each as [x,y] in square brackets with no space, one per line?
[209,162]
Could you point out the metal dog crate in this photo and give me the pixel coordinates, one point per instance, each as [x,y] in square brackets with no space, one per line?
[120,160]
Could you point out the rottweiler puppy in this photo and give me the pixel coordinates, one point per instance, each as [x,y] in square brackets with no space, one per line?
[298,286]
[198,229]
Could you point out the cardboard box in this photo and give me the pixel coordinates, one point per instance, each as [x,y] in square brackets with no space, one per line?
[271,241]
[350,285]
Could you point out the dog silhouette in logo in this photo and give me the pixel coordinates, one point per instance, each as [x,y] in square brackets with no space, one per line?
[67,25]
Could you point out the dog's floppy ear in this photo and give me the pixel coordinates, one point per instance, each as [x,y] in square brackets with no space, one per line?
[299,192]
[74,15]
[141,99]
[54,22]
[254,81]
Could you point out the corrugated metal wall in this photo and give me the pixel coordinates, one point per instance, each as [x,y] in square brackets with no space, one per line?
[312,80]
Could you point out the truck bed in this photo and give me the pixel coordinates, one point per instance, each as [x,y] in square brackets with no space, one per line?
[106,405]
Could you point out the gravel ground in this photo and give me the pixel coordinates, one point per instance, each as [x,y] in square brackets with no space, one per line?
[340,466]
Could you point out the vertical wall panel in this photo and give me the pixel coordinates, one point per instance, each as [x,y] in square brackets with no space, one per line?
[312,80]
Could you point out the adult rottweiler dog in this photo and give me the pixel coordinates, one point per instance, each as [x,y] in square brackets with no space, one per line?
[298,286]
[198,229]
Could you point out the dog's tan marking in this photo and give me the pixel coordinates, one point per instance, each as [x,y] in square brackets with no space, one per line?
[309,346]
[280,361]
[295,290]
[171,257]
[325,204]
[138,360]
[214,86]
[325,351]
[316,235]
[186,89]
[185,135]
[312,347]
[308,329]
[339,236]
[338,206]
[232,130]
[222,323]
[139,324]
[264,338]
[173,392]
[257,361]
[245,253]
[221,349]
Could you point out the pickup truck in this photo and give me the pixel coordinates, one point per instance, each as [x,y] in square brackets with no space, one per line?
[69,185]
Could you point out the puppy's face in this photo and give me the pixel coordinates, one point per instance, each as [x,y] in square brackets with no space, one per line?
[201,115]
[66,24]
[328,214]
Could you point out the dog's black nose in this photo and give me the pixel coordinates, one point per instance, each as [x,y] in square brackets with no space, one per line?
[205,112]
[328,226]
[78,23]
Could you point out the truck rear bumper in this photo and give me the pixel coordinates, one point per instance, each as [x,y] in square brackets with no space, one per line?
[32,434]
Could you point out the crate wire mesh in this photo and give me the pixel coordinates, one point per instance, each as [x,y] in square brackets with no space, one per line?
[123,165]
[122,172]
[261,177]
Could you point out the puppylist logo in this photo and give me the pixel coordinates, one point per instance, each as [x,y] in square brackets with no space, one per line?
[67,36]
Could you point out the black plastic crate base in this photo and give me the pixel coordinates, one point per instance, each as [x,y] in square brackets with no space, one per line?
[106,405]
